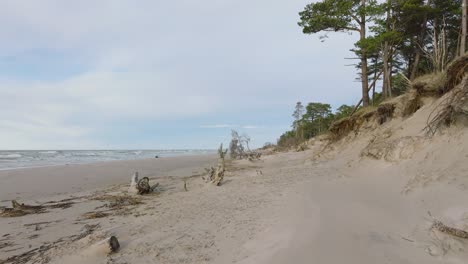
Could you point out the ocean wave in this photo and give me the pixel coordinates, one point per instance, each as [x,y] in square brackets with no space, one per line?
[84,154]
[10,156]
[48,152]
[35,158]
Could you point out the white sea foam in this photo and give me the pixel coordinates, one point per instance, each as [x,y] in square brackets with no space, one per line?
[48,152]
[10,156]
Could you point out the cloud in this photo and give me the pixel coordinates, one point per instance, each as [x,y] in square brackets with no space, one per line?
[37,135]
[77,72]
[230,126]
[250,127]
[217,126]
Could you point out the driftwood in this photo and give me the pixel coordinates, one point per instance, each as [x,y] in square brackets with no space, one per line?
[10,212]
[219,175]
[27,208]
[239,147]
[20,209]
[105,247]
[441,227]
[216,176]
[251,156]
[141,186]
[185,185]
[133,184]
[210,174]
[438,225]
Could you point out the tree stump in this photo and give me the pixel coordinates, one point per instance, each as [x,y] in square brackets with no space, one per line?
[143,186]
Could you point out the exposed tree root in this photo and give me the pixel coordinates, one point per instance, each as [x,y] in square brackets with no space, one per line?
[385,112]
[456,71]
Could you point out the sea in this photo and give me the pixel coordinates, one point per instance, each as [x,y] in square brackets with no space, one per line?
[14,159]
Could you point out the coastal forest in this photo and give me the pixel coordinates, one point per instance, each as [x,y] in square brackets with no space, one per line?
[398,42]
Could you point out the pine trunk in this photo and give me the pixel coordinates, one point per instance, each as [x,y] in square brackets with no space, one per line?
[414,70]
[463,38]
[418,41]
[364,77]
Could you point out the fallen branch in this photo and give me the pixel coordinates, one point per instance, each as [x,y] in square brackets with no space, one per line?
[407,239]
[218,175]
[438,225]
[21,209]
[210,174]
[27,208]
[185,185]
[251,156]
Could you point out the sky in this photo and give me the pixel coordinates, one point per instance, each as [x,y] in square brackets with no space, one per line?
[153,74]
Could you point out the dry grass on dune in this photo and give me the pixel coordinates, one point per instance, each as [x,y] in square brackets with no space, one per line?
[451,110]
[431,85]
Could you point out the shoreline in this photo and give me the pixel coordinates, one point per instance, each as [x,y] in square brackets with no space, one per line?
[103,161]
[166,154]
[40,182]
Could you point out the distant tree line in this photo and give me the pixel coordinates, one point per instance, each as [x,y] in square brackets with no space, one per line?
[312,120]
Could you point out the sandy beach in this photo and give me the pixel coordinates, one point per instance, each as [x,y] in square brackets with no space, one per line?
[33,183]
[321,205]
[385,193]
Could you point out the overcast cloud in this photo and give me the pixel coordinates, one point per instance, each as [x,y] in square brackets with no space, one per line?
[160,74]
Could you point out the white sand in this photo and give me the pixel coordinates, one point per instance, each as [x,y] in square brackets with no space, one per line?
[340,207]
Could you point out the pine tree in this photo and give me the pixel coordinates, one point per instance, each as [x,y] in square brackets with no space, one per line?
[342,16]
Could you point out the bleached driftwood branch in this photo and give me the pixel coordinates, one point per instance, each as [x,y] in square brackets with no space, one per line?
[133,184]
[441,227]
[141,186]
[218,175]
